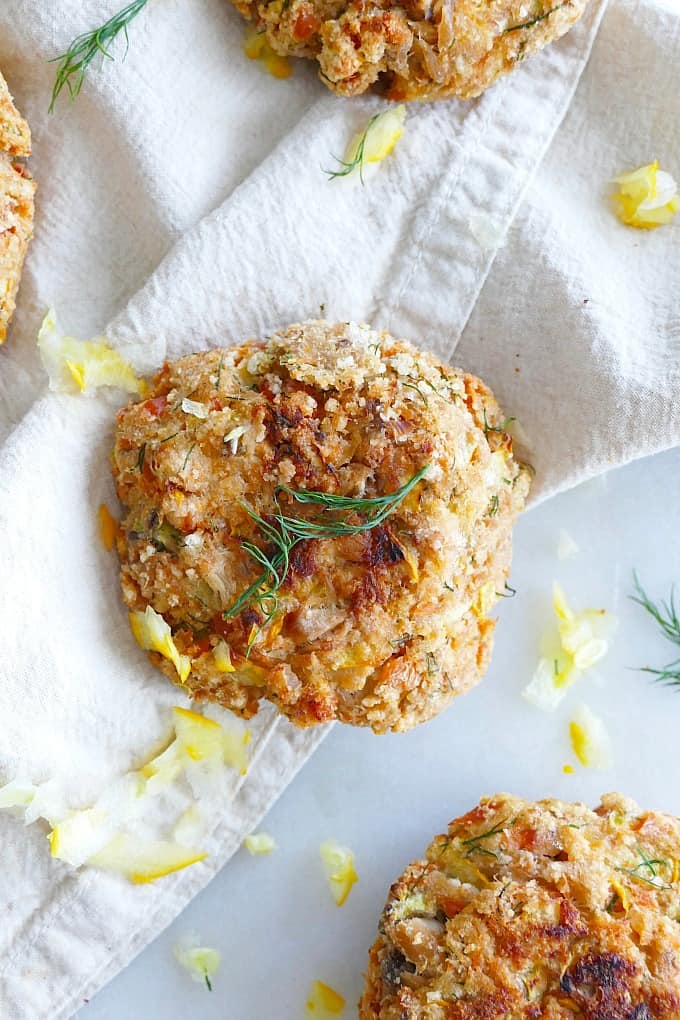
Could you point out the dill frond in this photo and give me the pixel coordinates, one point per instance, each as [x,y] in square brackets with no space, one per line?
[73,64]
[535,21]
[473,843]
[665,614]
[188,455]
[495,428]
[650,865]
[349,166]
[281,533]
[416,387]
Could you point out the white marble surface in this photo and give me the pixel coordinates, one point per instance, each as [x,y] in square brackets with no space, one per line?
[273,918]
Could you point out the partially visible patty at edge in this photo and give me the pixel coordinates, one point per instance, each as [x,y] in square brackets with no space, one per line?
[535,910]
[417,49]
[16,203]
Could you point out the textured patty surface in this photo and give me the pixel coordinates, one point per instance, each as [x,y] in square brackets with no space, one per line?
[540,910]
[382,627]
[16,203]
[417,49]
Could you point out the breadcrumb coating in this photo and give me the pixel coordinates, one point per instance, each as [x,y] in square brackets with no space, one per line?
[16,203]
[417,49]
[539,910]
[383,627]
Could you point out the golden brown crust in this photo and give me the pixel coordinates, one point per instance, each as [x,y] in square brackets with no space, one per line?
[16,204]
[535,910]
[15,134]
[416,49]
[382,628]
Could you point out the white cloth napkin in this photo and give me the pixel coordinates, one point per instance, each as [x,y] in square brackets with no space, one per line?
[572,318]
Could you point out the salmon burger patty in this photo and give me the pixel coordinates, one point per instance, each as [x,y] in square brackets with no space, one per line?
[416,49]
[16,203]
[323,519]
[538,910]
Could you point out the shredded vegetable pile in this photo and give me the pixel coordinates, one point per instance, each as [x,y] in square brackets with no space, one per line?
[82,366]
[110,834]
[575,642]
[572,646]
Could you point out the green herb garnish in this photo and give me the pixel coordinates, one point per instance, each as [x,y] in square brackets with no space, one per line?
[282,533]
[495,428]
[650,865]
[535,21]
[493,506]
[416,387]
[186,459]
[357,160]
[140,457]
[474,841]
[74,63]
[666,616]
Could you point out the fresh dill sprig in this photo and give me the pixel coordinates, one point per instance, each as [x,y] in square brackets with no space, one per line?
[186,459]
[495,428]
[473,843]
[664,613]
[535,21]
[650,864]
[416,387]
[666,616]
[281,533]
[140,457]
[493,505]
[74,63]
[349,166]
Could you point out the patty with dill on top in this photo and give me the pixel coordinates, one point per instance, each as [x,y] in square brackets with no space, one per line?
[323,520]
[535,910]
[413,49]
